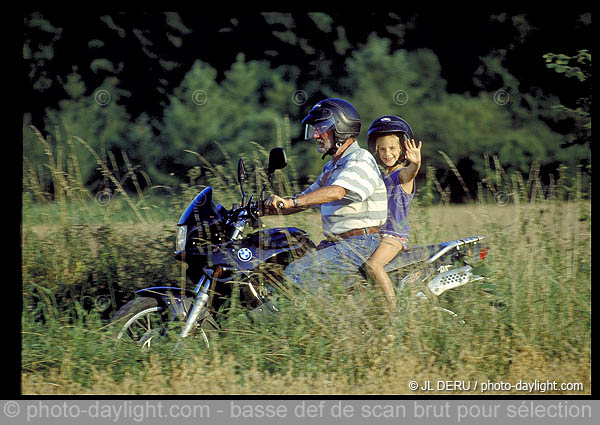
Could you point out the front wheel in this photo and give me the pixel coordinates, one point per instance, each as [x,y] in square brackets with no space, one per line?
[140,321]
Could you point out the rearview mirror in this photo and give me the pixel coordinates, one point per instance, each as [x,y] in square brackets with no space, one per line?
[277,160]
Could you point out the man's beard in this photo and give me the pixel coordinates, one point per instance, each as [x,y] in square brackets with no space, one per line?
[324,146]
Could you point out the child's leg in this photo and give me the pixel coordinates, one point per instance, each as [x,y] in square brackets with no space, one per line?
[385,252]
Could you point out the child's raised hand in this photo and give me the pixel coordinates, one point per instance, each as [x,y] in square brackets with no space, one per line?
[412,151]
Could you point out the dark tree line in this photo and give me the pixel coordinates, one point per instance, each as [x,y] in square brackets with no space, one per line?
[154,84]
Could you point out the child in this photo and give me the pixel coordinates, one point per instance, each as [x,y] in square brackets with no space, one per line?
[391,141]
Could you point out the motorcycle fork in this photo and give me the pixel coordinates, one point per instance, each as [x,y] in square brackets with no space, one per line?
[203,290]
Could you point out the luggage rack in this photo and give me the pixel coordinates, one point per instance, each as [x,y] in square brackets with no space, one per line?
[428,253]
[458,243]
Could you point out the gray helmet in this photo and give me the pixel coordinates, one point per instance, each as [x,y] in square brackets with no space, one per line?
[388,124]
[336,113]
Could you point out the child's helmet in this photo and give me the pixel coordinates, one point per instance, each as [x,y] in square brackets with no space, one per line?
[339,114]
[388,124]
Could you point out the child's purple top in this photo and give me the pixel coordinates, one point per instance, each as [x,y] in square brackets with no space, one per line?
[398,206]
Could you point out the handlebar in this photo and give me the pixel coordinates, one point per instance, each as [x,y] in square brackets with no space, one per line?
[257,209]
[260,207]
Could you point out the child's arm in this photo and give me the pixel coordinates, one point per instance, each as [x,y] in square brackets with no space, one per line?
[413,155]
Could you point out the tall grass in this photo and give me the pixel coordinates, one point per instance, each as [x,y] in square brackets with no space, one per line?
[83,257]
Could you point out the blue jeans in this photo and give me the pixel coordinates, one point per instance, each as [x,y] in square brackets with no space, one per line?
[318,268]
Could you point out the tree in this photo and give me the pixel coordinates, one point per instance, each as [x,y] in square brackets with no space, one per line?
[221,120]
[580,67]
[500,120]
[98,119]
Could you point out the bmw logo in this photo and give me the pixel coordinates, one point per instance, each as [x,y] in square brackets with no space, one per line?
[244,254]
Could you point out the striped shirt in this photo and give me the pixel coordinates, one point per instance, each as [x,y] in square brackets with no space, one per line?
[365,202]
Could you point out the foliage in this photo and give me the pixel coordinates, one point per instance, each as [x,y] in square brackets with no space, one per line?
[222,112]
[579,66]
[220,121]
[97,118]
[561,64]
[506,122]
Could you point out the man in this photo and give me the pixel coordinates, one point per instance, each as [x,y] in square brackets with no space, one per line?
[350,194]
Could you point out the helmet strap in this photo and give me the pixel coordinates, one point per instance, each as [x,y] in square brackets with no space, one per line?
[336,146]
[341,149]
[331,152]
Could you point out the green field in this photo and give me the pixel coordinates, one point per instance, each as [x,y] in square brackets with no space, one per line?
[83,258]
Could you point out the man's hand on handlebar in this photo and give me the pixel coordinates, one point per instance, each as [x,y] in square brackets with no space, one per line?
[275,204]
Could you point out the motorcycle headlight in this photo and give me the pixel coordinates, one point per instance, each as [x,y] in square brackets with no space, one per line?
[181,238]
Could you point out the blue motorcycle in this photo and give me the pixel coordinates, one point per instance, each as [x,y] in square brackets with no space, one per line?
[211,241]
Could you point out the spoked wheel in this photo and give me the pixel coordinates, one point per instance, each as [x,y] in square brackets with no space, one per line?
[140,321]
[143,322]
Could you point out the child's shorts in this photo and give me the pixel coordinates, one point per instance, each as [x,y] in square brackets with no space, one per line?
[403,241]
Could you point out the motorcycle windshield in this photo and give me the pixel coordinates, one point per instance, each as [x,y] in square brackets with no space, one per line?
[202,208]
